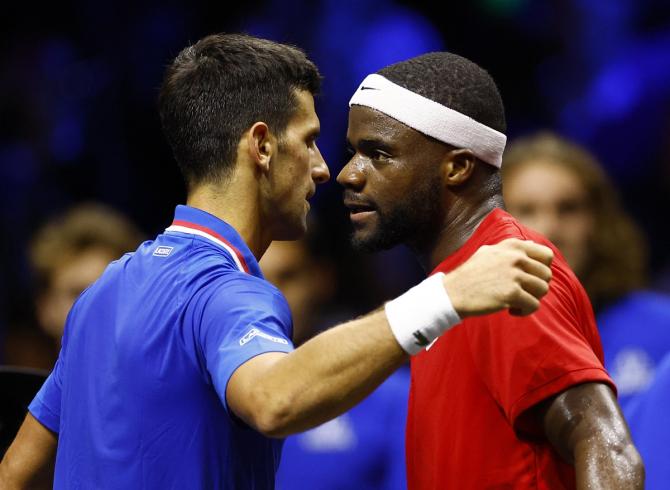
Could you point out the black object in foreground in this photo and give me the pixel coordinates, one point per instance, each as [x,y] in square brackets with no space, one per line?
[18,387]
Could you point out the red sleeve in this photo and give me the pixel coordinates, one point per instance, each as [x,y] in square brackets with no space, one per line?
[524,360]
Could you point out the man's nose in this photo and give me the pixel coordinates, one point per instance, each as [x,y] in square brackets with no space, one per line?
[320,172]
[351,176]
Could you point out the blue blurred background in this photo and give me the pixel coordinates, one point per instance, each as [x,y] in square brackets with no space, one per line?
[79,79]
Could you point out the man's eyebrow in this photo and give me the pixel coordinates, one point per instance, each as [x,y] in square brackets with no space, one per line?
[370,144]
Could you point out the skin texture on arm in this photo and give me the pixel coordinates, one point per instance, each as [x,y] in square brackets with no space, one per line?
[586,427]
[280,394]
[30,460]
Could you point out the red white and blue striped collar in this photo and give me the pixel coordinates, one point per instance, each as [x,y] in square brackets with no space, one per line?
[196,222]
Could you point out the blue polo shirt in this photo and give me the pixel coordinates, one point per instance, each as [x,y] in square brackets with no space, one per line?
[649,420]
[137,395]
[635,334]
[362,449]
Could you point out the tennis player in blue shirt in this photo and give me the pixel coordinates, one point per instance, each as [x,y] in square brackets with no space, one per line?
[177,368]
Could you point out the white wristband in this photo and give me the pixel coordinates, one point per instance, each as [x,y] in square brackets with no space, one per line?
[421,315]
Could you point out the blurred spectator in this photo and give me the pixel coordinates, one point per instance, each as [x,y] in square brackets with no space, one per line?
[363,448]
[558,189]
[67,254]
[308,282]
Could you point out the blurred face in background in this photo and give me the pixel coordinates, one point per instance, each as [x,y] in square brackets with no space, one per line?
[306,282]
[68,279]
[551,199]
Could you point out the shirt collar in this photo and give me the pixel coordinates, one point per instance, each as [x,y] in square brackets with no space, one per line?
[216,231]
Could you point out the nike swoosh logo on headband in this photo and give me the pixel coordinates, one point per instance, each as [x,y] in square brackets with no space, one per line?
[369,88]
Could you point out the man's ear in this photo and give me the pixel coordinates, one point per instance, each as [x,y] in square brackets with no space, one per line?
[459,164]
[260,145]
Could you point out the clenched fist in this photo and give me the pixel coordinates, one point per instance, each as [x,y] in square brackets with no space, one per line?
[513,274]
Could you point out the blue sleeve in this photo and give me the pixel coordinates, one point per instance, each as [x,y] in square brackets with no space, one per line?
[240,318]
[46,405]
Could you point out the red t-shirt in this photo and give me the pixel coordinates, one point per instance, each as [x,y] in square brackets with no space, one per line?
[470,388]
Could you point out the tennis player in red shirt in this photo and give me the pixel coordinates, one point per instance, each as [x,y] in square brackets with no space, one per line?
[509,402]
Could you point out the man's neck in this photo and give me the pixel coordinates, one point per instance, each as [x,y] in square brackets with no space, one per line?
[239,210]
[461,221]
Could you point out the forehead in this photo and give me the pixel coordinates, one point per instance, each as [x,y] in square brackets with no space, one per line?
[543,180]
[547,169]
[369,124]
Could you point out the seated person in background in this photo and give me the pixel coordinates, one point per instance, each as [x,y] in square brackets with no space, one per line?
[558,188]
[363,448]
[67,254]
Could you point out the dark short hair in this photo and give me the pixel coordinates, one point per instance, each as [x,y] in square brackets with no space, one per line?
[217,88]
[452,81]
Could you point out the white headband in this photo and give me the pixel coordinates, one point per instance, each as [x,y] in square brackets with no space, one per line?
[430,118]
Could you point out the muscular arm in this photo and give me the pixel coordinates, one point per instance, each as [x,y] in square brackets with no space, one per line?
[29,461]
[585,425]
[280,394]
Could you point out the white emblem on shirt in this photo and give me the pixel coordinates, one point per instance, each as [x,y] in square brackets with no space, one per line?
[632,370]
[333,436]
[162,251]
[254,332]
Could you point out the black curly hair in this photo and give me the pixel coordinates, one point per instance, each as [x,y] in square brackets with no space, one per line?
[454,82]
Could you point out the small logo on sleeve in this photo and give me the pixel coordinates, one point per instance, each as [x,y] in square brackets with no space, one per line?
[162,251]
[254,332]
[420,339]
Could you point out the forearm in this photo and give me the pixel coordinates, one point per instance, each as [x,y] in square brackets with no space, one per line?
[326,376]
[608,464]
[586,427]
[29,461]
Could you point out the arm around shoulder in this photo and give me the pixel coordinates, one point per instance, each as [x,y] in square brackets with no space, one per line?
[280,394]
[585,425]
